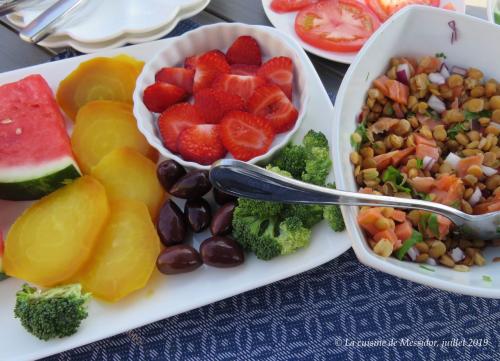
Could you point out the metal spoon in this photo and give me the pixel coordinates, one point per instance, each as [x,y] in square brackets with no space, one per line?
[245,180]
[44,24]
[10,6]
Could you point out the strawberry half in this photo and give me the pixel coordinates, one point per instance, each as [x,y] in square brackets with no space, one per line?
[279,70]
[212,104]
[174,120]
[191,61]
[244,69]
[245,135]
[242,85]
[177,76]
[244,50]
[201,144]
[208,67]
[159,96]
[270,103]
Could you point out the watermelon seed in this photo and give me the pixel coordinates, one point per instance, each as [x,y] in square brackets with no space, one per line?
[7,121]
[18,131]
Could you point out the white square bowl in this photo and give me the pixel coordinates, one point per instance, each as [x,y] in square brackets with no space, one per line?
[415,31]
[220,36]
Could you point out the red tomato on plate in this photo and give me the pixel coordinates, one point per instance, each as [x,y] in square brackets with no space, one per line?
[336,25]
[385,8]
[284,6]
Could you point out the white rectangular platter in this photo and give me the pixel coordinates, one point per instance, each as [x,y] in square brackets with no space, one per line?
[164,296]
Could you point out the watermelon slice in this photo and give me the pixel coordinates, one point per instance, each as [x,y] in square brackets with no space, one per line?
[35,150]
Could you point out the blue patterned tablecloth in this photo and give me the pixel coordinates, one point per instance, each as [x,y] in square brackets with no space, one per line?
[341,310]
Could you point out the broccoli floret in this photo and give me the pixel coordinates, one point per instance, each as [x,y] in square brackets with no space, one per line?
[333,215]
[314,139]
[53,313]
[262,208]
[292,159]
[309,215]
[266,245]
[293,235]
[278,170]
[318,166]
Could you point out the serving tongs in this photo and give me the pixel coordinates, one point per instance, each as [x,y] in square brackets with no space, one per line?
[249,181]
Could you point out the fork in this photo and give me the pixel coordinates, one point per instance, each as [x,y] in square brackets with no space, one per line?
[249,181]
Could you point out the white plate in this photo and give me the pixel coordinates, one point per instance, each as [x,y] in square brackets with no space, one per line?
[403,35]
[164,296]
[64,41]
[102,21]
[286,22]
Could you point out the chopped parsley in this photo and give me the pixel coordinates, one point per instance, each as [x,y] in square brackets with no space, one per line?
[409,114]
[429,221]
[454,130]
[434,115]
[471,115]
[440,55]
[420,163]
[487,278]
[395,177]
[427,268]
[361,130]
[455,204]
[415,238]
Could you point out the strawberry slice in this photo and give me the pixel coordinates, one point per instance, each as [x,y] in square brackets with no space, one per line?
[213,104]
[242,85]
[174,120]
[191,61]
[279,70]
[244,50]
[244,69]
[208,67]
[270,103]
[159,96]
[177,76]
[201,144]
[245,135]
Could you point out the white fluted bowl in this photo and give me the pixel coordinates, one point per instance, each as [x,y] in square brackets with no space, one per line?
[220,36]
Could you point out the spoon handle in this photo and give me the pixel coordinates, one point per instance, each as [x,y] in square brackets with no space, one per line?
[249,181]
[44,23]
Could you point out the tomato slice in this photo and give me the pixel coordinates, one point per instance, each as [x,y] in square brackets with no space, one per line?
[385,8]
[336,25]
[285,6]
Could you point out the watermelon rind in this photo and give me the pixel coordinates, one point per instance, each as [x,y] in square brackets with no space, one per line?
[24,183]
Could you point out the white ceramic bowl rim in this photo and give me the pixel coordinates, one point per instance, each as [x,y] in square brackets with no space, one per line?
[343,168]
[182,44]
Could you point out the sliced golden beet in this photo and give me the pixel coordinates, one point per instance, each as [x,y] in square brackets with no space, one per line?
[127,174]
[54,238]
[125,255]
[138,64]
[104,125]
[97,79]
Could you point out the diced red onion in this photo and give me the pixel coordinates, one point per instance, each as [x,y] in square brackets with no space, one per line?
[488,171]
[453,159]
[458,70]
[475,197]
[413,253]
[437,78]
[403,73]
[444,71]
[436,104]
[457,254]
[428,162]
[431,262]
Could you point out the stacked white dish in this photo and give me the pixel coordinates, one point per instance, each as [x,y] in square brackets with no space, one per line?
[107,24]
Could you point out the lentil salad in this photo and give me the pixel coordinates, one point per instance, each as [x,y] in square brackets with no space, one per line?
[428,131]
